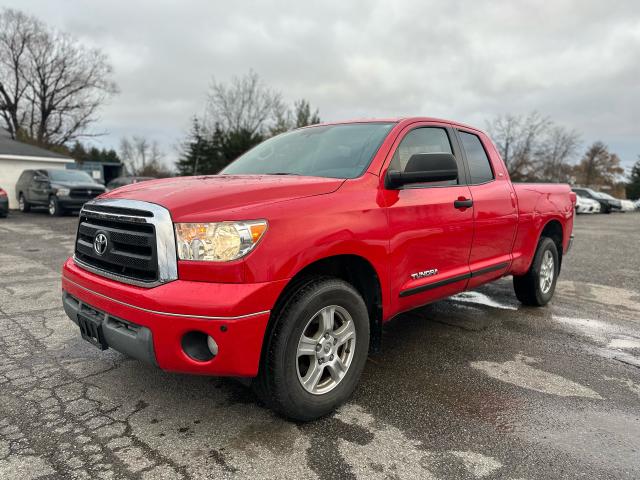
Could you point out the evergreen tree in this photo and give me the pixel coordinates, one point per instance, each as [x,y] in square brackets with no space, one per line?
[81,154]
[236,142]
[190,162]
[633,187]
[78,152]
[303,115]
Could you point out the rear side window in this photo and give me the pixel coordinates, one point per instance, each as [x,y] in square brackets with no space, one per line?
[25,176]
[479,164]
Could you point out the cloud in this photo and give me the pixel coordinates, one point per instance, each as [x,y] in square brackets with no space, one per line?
[574,61]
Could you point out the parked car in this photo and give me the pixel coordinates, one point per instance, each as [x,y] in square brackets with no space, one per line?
[284,268]
[122,181]
[627,205]
[59,190]
[586,205]
[4,203]
[608,204]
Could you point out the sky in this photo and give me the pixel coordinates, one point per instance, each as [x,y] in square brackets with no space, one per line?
[577,62]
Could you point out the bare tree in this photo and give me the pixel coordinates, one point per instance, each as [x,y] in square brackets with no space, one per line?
[55,83]
[557,149]
[141,156]
[16,33]
[245,104]
[533,147]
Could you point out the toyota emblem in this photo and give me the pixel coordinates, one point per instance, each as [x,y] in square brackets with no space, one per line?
[100,243]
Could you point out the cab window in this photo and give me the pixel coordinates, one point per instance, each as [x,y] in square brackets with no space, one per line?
[479,165]
[422,140]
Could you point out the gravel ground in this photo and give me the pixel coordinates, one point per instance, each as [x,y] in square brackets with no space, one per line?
[471,387]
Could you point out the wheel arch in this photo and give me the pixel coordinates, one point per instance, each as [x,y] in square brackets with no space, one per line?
[354,269]
[553,230]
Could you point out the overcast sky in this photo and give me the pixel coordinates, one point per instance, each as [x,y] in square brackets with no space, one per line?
[576,61]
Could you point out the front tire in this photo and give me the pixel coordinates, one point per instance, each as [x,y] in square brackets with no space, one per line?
[55,210]
[536,287]
[316,350]
[23,205]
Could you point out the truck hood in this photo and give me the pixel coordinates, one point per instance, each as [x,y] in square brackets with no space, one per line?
[194,196]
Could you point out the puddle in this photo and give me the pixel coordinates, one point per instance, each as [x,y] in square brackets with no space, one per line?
[614,340]
[391,454]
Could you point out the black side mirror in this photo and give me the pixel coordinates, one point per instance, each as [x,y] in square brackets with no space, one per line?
[423,168]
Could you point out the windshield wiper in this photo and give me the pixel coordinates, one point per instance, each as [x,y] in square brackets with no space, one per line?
[281,173]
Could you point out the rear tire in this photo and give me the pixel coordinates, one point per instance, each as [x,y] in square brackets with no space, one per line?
[23,205]
[536,287]
[321,331]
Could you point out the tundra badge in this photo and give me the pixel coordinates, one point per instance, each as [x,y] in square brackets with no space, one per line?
[424,273]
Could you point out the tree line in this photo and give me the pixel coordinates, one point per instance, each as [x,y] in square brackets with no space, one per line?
[52,86]
[536,149]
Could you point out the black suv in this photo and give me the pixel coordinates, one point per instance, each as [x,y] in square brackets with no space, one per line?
[607,203]
[60,190]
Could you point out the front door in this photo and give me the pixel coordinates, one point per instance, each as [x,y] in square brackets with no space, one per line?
[430,235]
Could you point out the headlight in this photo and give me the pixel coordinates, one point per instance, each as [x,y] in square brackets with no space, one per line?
[218,242]
[62,192]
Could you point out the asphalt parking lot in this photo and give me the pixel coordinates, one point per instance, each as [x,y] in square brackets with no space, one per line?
[472,387]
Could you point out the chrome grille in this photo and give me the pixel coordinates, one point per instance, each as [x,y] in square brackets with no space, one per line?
[140,244]
[85,192]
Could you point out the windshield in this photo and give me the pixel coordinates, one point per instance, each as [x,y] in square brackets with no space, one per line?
[334,151]
[605,196]
[70,176]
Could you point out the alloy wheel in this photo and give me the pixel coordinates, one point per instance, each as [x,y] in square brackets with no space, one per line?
[547,271]
[326,349]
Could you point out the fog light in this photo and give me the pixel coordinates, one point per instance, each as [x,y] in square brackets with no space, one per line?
[213,346]
[199,346]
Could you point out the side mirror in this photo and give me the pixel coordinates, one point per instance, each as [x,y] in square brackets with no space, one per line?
[423,168]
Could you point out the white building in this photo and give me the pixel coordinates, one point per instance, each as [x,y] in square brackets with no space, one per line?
[17,156]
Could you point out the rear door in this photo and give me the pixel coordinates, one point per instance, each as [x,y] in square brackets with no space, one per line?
[430,238]
[39,187]
[22,185]
[495,214]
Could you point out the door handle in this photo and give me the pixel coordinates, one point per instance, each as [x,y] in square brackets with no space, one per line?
[463,203]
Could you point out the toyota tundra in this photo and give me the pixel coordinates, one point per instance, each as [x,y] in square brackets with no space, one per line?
[283,268]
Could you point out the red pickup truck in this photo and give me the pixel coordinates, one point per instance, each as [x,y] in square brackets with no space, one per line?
[284,267]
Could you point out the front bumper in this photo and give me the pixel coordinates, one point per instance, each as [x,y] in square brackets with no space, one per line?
[234,315]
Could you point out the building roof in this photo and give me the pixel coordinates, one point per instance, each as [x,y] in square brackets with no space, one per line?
[12,149]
